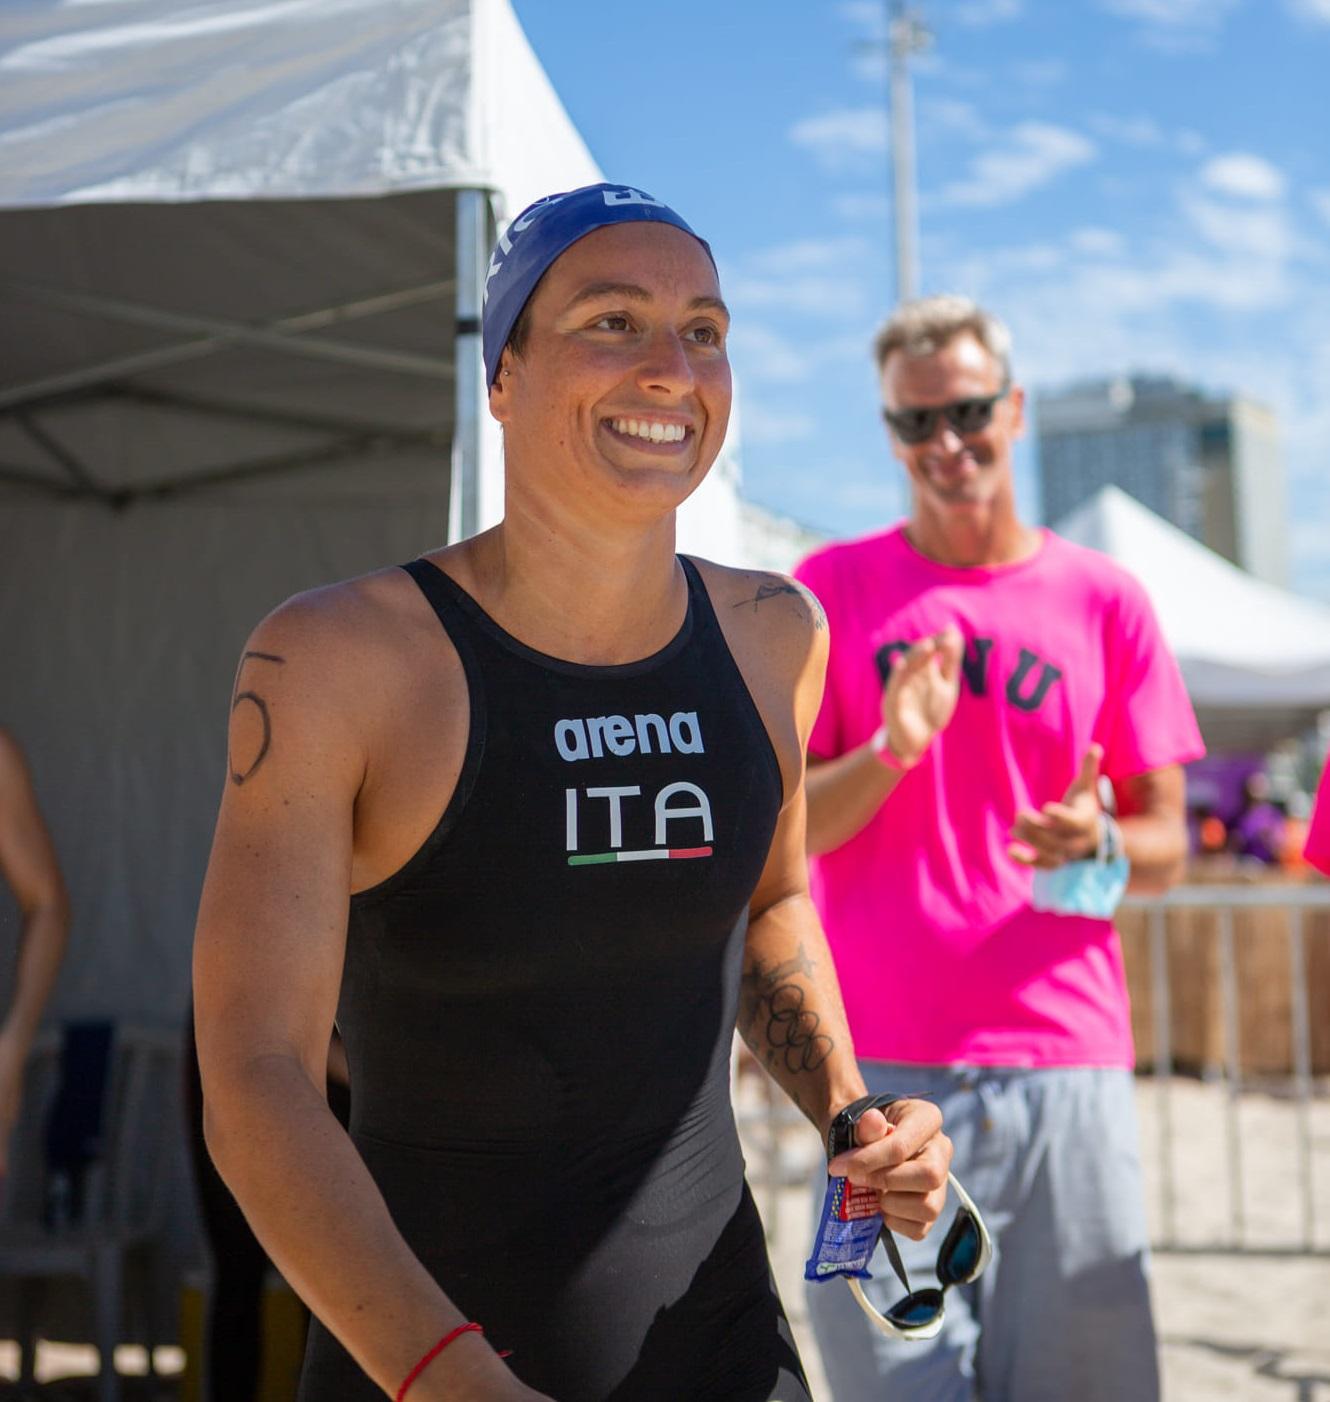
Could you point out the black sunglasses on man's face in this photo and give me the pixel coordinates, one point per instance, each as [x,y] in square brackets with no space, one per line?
[915,426]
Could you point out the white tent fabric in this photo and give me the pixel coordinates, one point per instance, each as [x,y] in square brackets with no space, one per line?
[120,101]
[1240,642]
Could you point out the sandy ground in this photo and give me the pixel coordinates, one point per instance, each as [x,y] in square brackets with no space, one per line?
[1232,1325]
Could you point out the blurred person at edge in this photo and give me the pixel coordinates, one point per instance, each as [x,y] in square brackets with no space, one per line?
[29,867]
[982,675]
[1317,850]
[1258,830]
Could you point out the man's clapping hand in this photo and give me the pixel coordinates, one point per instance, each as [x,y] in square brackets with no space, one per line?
[920,696]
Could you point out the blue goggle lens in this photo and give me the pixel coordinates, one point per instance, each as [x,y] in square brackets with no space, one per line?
[922,1307]
[959,1258]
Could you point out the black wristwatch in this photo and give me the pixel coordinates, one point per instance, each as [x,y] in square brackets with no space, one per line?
[840,1133]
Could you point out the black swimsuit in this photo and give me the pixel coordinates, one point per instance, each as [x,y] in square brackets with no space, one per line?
[538,1012]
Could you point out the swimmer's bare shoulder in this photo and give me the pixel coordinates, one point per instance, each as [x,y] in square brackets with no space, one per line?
[777,633]
[327,673]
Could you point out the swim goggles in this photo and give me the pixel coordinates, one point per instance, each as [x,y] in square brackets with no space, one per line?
[965,1251]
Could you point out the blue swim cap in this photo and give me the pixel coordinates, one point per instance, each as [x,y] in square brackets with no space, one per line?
[539,235]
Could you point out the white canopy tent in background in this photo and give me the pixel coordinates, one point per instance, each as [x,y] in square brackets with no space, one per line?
[241,256]
[1256,658]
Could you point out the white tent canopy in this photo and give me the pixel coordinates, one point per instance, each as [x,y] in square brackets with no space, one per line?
[242,248]
[1246,648]
[131,101]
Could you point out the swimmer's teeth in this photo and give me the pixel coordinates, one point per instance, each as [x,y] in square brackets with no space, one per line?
[652,432]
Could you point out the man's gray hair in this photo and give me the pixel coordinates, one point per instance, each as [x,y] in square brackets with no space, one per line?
[925,325]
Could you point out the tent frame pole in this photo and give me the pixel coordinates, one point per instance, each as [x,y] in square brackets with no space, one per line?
[279,335]
[472,244]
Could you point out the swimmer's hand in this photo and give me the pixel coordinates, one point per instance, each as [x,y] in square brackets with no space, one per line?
[920,696]
[903,1153]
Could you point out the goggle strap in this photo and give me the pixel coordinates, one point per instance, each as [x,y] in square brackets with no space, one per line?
[894,1256]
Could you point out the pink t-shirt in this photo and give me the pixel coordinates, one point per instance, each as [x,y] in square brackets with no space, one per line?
[941,958]
[1317,850]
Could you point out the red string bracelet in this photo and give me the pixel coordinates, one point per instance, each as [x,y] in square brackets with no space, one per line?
[438,1348]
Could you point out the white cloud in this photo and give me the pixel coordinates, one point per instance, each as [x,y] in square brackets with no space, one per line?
[1260,232]
[1041,72]
[807,255]
[1320,202]
[1035,154]
[1170,12]
[867,14]
[953,114]
[1098,242]
[844,137]
[861,208]
[765,425]
[1317,11]
[820,277]
[1244,176]
[878,500]
[1146,133]
[760,354]
[1178,26]
[816,295]
[1131,131]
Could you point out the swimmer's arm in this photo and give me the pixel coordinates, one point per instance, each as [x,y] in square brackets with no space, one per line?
[790,1010]
[791,1016]
[267,968]
[29,867]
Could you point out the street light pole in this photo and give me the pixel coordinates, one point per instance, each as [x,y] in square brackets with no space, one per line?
[906,36]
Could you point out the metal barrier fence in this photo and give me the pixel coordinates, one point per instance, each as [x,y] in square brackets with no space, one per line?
[774,1132]
[1297,1086]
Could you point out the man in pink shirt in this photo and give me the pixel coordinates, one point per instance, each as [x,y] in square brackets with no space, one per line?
[983,676]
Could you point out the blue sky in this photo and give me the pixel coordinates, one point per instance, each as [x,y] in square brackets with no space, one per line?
[1132,184]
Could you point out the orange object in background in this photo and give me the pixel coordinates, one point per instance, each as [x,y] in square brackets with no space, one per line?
[1292,855]
[1213,834]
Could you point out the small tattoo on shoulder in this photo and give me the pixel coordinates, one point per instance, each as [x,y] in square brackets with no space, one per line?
[773,589]
[253,698]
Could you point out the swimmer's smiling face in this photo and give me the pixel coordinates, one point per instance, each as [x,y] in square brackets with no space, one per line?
[623,379]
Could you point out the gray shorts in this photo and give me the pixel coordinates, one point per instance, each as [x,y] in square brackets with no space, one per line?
[1063,1311]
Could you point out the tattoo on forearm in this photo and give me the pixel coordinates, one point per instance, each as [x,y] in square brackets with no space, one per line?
[238,776]
[773,1000]
[773,590]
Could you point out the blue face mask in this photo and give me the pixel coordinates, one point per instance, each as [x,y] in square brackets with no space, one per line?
[1082,888]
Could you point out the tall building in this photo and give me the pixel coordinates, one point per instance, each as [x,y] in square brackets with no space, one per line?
[1209,464]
